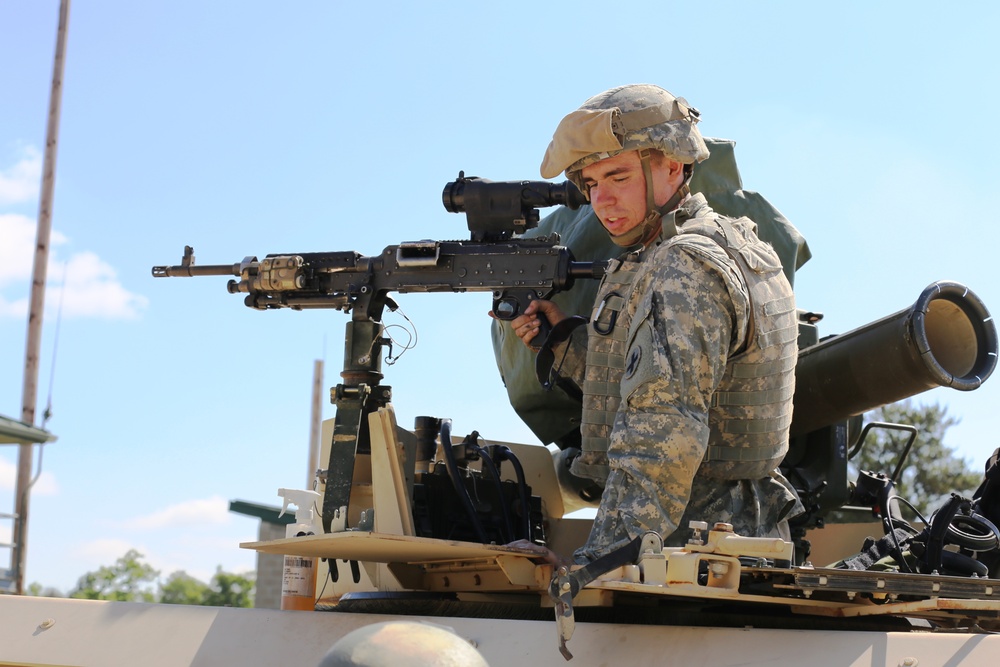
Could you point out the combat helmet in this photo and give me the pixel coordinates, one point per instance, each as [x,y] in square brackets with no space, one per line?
[393,643]
[633,117]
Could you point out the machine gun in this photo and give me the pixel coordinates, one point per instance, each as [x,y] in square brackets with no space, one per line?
[516,271]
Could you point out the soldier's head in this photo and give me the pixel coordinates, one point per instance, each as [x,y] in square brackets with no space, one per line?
[630,150]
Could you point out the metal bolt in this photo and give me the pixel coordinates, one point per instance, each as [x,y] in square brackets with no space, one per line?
[719,569]
[696,529]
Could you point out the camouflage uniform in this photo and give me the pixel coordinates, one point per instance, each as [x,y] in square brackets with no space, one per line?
[691,348]
[663,402]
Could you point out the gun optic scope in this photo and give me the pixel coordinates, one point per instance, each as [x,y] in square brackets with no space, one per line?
[497,209]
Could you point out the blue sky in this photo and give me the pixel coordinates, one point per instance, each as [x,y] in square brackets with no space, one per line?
[250,128]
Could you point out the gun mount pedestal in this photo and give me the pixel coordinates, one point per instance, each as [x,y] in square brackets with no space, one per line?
[356,398]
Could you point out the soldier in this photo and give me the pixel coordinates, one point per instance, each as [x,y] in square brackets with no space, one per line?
[687,364]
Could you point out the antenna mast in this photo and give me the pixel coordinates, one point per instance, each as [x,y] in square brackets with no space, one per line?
[30,393]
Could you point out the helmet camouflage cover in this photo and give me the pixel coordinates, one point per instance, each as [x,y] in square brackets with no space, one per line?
[625,118]
[402,642]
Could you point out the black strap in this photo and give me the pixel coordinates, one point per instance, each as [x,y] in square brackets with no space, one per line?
[595,568]
[546,357]
[874,550]
[991,478]
[939,529]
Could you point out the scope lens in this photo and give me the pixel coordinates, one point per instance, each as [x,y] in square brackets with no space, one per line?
[453,197]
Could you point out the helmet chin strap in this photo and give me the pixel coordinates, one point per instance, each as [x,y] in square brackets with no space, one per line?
[649,228]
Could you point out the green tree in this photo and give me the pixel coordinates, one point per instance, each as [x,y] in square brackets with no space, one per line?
[932,470]
[229,590]
[35,589]
[182,588]
[123,582]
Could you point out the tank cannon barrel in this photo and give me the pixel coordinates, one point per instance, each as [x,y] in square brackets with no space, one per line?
[945,339]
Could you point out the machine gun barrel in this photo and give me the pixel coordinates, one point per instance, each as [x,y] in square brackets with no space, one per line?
[192,271]
[188,269]
[945,339]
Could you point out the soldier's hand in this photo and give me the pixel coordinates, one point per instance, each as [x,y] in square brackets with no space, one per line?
[526,326]
[549,556]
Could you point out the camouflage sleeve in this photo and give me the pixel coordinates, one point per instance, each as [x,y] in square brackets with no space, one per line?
[571,356]
[692,313]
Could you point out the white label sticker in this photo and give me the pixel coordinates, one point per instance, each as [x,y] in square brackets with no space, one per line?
[297,576]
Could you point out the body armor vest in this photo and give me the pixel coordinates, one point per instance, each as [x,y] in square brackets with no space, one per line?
[751,408]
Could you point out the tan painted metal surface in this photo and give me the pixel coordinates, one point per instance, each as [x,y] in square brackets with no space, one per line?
[118,634]
[379,548]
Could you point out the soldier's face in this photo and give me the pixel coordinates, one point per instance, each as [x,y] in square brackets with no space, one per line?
[618,189]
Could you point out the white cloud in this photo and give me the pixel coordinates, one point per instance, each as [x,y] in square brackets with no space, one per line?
[198,558]
[86,285]
[16,309]
[200,555]
[17,252]
[200,512]
[92,289]
[83,557]
[21,182]
[8,474]
[102,551]
[45,486]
